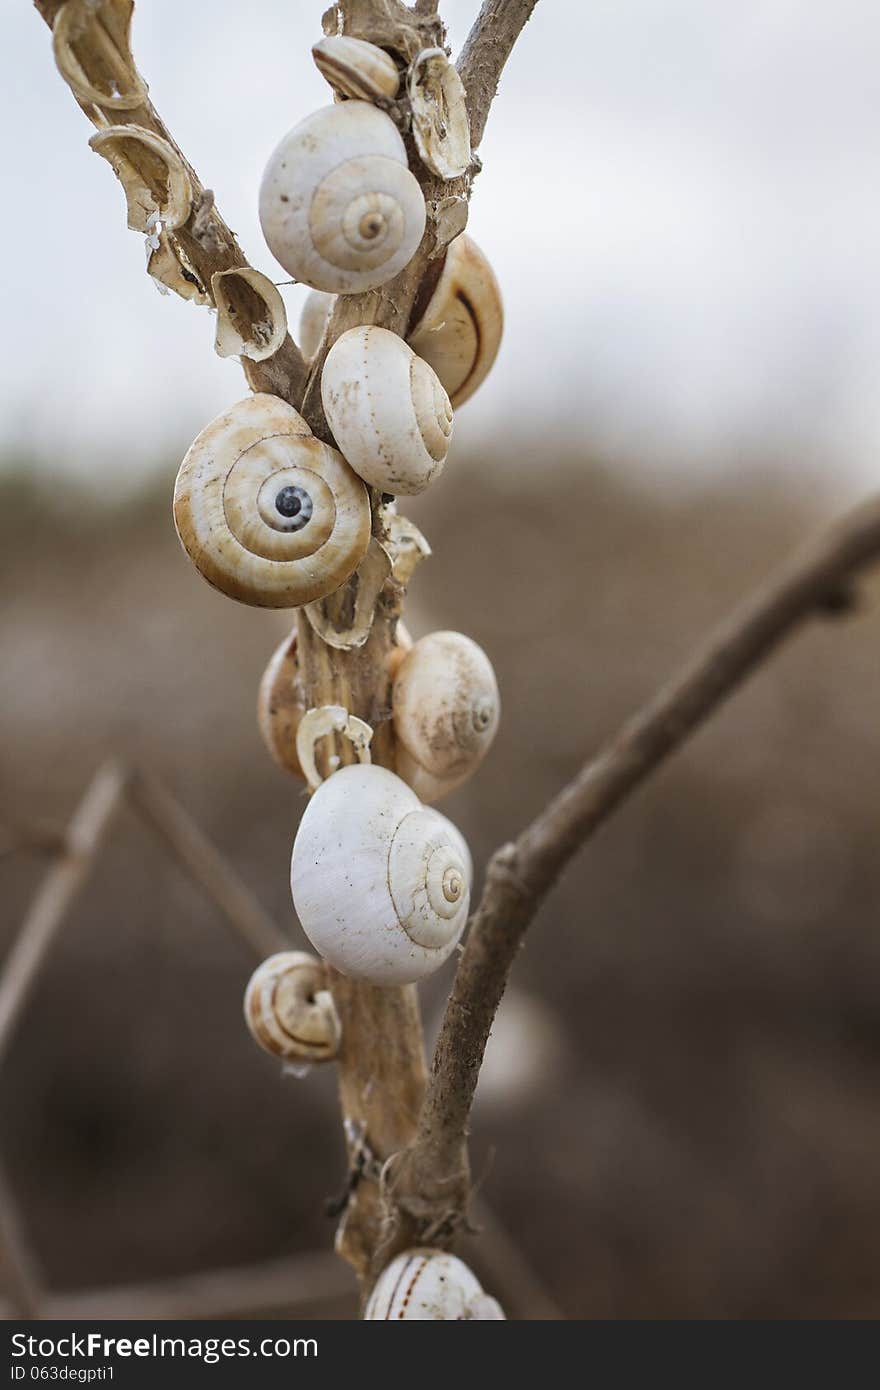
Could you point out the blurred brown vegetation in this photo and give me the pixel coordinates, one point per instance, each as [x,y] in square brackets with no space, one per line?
[700,1133]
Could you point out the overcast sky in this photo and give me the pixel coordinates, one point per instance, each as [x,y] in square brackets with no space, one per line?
[681,199]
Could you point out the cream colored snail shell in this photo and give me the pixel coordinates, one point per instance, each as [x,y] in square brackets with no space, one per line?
[356,68]
[280,703]
[445,708]
[428,1285]
[380,882]
[267,513]
[339,206]
[459,331]
[289,1010]
[387,409]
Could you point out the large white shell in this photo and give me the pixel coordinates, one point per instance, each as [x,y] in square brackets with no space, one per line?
[267,513]
[356,68]
[459,332]
[387,409]
[380,882]
[446,708]
[339,206]
[289,1010]
[427,1285]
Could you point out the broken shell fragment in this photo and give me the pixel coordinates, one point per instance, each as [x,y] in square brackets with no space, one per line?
[171,268]
[290,1011]
[387,409]
[251,318]
[439,114]
[344,619]
[280,705]
[313,320]
[459,331]
[355,68]
[90,40]
[153,176]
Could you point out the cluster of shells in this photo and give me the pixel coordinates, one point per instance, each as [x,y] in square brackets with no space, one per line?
[274,517]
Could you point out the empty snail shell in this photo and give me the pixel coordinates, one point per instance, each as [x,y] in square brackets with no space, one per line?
[459,331]
[387,410]
[446,707]
[381,883]
[90,40]
[355,68]
[267,513]
[339,207]
[289,1010]
[439,114]
[313,320]
[430,1285]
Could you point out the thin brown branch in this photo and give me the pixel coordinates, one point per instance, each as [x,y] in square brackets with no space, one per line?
[20,1267]
[484,53]
[204,243]
[816,581]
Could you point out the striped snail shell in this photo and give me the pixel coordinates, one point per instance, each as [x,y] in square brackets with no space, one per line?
[289,1010]
[387,409]
[380,882]
[446,708]
[356,68]
[339,206]
[267,513]
[427,1285]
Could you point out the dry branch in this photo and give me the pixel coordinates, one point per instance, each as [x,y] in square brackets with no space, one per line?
[431,1179]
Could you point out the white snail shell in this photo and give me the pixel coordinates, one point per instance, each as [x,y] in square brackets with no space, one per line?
[459,332]
[445,708]
[356,68]
[289,1010]
[267,513]
[339,207]
[387,409]
[429,1285]
[251,317]
[152,173]
[380,882]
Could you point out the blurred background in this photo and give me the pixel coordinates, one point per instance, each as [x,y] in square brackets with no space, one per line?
[678,1115]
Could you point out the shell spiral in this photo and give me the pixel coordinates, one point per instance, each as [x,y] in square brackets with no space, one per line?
[380,882]
[289,1010]
[388,410]
[267,513]
[339,206]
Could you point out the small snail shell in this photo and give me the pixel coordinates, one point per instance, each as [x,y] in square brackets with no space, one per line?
[356,68]
[339,207]
[445,707]
[289,1010]
[313,320]
[439,114]
[459,332]
[387,410]
[380,882]
[280,703]
[267,513]
[429,1285]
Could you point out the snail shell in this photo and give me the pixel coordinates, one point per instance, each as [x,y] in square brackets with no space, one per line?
[446,708]
[355,68]
[90,40]
[251,318]
[267,513]
[387,409]
[380,882]
[152,173]
[459,332]
[339,207]
[439,114]
[429,1285]
[289,1010]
